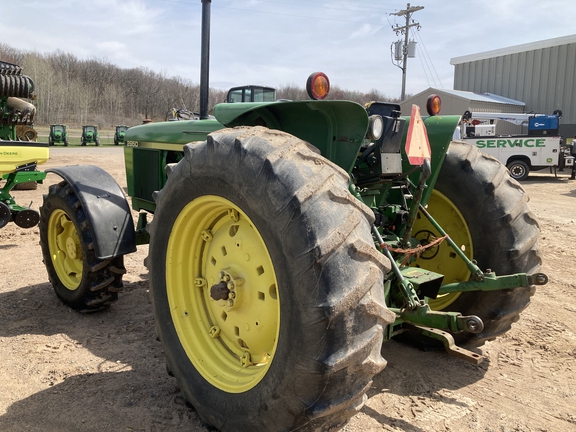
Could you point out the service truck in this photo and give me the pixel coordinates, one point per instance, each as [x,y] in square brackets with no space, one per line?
[540,148]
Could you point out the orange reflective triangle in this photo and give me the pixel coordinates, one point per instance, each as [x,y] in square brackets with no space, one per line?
[417,144]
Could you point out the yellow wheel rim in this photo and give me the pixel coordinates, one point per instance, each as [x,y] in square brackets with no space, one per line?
[65,249]
[442,259]
[223,294]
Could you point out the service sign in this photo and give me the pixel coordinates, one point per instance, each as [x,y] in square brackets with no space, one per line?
[417,144]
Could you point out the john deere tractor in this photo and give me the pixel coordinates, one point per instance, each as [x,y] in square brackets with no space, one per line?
[90,135]
[18,159]
[120,135]
[58,135]
[290,240]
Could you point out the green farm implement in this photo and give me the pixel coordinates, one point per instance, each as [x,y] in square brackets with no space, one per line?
[18,159]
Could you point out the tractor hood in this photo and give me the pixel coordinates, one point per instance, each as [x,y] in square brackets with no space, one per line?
[173,132]
[336,128]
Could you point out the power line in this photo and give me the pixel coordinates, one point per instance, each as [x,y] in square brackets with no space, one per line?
[429,61]
[424,62]
[324,7]
[316,18]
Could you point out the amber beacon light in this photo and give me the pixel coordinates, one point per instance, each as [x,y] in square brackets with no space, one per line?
[318,86]
[433,104]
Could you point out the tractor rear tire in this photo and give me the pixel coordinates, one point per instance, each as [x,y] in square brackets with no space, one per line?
[297,343]
[489,211]
[80,280]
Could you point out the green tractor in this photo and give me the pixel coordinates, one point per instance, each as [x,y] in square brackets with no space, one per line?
[58,135]
[120,135]
[290,240]
[18,159]
[90,135]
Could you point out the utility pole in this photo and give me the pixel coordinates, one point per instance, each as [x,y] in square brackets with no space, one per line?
[205,59]
[405,30]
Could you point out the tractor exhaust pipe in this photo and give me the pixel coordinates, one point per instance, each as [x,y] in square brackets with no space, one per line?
[205,59]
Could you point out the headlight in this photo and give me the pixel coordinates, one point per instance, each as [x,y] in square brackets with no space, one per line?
[375,127]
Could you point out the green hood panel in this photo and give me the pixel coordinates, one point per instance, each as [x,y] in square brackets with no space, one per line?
[336,128]
[173,132]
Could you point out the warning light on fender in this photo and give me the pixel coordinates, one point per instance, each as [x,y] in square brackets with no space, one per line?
[417,144]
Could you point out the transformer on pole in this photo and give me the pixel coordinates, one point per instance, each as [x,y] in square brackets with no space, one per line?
[402,50]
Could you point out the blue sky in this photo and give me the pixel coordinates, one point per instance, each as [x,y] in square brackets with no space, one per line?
[280,42]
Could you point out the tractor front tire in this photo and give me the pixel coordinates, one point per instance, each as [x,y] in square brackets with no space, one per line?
[267,288]
[485,212]
[80,280]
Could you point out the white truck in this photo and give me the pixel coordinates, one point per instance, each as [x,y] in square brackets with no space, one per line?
[540,148]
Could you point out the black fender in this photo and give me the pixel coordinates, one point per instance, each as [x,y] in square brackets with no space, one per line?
[107,211]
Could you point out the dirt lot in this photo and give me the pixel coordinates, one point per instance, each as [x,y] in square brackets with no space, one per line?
[63,371]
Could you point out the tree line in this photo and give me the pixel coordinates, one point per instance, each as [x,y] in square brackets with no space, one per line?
[74,91]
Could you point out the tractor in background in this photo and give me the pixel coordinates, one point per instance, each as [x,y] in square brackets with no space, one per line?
[58,135]
[90,135]
[120,134]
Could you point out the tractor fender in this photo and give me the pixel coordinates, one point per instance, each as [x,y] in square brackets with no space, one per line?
[107,211]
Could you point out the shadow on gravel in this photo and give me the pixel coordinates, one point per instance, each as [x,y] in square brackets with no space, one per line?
[101,402]
[421,374]
[129,388]
[411,371]
[549,178]
[126,388]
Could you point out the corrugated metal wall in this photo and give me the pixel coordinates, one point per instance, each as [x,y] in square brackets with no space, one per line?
[542,78]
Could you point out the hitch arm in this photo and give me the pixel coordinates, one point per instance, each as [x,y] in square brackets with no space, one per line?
[450,321]
[491,282]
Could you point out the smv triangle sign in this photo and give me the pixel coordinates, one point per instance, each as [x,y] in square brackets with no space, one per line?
[417,145]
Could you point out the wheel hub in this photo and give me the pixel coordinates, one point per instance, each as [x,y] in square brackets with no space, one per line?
[71,247]
[65,249]
[225,292]
[223,295]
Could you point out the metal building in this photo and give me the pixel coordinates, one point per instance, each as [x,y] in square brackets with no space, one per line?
[457,102]
[541,74]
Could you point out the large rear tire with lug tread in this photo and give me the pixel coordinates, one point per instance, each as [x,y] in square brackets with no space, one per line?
[267,288]
[485,212]
[80,280]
